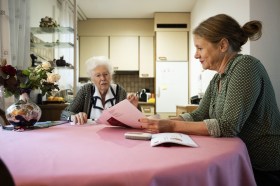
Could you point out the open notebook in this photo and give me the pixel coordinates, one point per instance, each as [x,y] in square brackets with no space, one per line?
[172,138]
[166,138]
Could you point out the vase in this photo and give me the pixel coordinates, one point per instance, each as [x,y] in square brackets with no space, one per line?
[24,113]
[35,96]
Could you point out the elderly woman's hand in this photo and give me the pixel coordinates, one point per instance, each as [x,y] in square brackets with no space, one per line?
[133,99]
[157,125]
[80,118]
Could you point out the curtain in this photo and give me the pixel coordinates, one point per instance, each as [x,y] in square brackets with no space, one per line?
[15,32]
[66,14]
[14,36]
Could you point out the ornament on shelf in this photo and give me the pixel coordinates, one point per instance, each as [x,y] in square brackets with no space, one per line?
[48,22]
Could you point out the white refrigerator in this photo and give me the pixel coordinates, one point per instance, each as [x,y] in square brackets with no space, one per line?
[171,86]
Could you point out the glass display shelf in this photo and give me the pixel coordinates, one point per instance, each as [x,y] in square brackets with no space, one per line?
[51,45]
[50,30]
[64,67]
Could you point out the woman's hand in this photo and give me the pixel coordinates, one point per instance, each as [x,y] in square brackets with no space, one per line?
[80,118]
[157,125]
[133,99]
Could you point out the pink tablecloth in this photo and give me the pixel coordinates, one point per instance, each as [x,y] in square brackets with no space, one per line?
[100,155]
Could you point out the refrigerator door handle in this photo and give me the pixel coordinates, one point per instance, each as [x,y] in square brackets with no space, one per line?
[158,91]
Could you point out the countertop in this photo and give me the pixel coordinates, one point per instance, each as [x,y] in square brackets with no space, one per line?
[145,103]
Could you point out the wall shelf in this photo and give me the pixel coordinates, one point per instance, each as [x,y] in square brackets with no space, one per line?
[52,45]
[50,30]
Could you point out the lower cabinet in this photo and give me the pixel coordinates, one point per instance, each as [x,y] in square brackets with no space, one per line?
[148,109]
[51,112]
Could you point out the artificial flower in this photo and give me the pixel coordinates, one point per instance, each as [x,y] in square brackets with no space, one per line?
[16,81]
[53,78]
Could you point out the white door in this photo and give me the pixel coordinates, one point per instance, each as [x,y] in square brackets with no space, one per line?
[171,86]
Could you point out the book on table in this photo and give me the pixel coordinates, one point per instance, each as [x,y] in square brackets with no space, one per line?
[172,138]
[167,138]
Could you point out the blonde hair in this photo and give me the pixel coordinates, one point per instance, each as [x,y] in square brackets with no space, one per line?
[97,61]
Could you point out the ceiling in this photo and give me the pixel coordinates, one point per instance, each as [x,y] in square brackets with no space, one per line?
[130,8]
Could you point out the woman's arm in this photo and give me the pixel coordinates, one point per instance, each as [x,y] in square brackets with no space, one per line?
[78,104]
[158,126]
[133,99]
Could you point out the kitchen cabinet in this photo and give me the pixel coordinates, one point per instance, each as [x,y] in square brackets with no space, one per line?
[124,53]
[172,21]
[146,57]
[185,109]
[148,109]
[172,46]
[51,112]
[89,47]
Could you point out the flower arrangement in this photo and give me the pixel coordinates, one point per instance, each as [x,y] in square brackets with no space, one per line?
[16,81]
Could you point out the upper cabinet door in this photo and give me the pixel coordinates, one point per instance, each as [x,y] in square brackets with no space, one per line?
[172,46]
[146,57]
[92,46]
[124,53]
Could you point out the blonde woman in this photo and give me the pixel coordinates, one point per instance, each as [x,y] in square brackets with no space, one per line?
[239,101]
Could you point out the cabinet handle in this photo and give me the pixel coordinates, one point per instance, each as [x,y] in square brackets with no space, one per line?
[162,58]
[145,75]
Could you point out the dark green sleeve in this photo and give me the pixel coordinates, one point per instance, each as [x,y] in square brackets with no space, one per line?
[241,93]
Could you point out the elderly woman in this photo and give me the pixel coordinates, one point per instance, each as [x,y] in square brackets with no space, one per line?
[94,97]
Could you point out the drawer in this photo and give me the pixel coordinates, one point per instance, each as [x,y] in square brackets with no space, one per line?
[148,110]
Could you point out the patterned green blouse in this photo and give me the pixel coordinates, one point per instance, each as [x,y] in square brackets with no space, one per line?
[246,108]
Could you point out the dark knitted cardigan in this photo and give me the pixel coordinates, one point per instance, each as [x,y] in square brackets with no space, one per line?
[83,100]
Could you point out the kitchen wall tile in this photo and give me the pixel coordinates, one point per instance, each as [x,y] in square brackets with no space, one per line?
[132,82]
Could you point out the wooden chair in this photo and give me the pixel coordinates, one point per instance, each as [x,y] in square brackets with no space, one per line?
[5,175]
[185,109]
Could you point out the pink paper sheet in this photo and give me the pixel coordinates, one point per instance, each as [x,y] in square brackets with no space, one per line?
[122,114]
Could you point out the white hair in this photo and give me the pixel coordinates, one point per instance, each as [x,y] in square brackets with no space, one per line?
[97,61]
